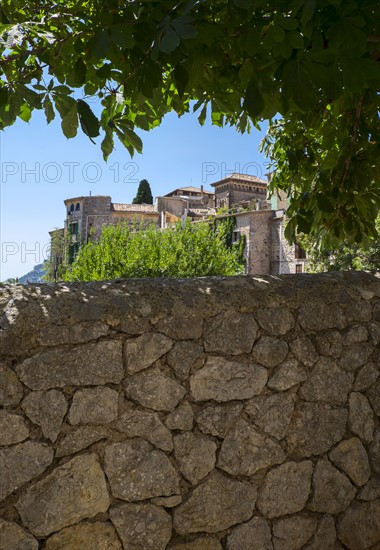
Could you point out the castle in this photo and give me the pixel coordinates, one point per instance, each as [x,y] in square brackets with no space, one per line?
[241,196]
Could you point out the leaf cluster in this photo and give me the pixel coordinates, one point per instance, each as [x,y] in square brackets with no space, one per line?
[187,250]
[316,65]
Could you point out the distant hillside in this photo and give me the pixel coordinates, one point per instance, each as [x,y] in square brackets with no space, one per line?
[34,276]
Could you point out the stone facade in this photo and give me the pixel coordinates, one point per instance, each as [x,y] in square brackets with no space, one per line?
[261,221]
[202,414]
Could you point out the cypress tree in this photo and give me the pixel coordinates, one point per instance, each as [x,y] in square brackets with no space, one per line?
[144,193]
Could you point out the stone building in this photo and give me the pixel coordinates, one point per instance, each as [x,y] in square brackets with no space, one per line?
[241,196]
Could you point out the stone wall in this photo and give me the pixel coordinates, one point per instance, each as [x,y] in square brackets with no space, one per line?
[200,414]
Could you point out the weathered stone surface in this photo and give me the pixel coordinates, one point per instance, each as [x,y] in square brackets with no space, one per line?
[359,526]
[72,492]
[154,390]
[276,321]
[371,491]
[279,497]
[269,351]
[223,380]
[94,406]
[373,395]
[148,426]
[325,535]
[271,413]
[333,491]
[215,505]
[195,455]
[139,353]
[167,502]
[327,383]
[200,543]
[21,463]
[374,333]
[13,537]
[79,438]
[230,332]
[292,533]
[316,316]
[374,451]
[245,451]
[255,535]
[357,333]
[142,526]
[12,428]
[10,387]
[351,456]
[361,418]
[46,409]
[181,326]
[86,536]
[355,355]
[182,357]
[360,311]
[285,376]
[217,419]
[303,349]
[314,428]
[181,418]
[330,343]
[55,335]
[88,364]
[137,471]
[367,376]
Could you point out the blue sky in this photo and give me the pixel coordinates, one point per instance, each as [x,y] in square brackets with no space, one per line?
[40,168]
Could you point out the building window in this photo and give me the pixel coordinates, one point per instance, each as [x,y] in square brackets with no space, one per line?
[77,206]
[299,253]
[235,236]
[298,268]
[72,207]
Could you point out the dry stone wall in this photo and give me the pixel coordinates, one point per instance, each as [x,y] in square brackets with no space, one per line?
[207,414]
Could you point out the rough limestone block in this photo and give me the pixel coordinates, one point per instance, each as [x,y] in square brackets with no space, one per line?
[315,428]
[12,428]
[147,425]
[195,455]
[286,489]
[271,413]
[303,349]
[181,418]
[359,525]
[10,387]
[46,409]
[275,321]
[216,504]
[245,451]
[223,380]
[79,438]
[94,406]
[21,463]
[230,332]
[154,390]
[361,417]
[327,383]
[293,532]
[182,356]
[269,351]
[333,491]
[204,543]
[13,537]
[137,471]
[84,365]
[140,353]
[255,535]
[217,418]
[72,492]
[142,526]
[288,374]
[351,457]
[181,326]
[85,536]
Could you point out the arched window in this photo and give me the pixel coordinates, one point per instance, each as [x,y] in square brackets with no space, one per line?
[77,207]
[72,207]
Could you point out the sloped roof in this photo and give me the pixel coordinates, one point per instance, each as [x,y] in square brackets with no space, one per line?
[189,189]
